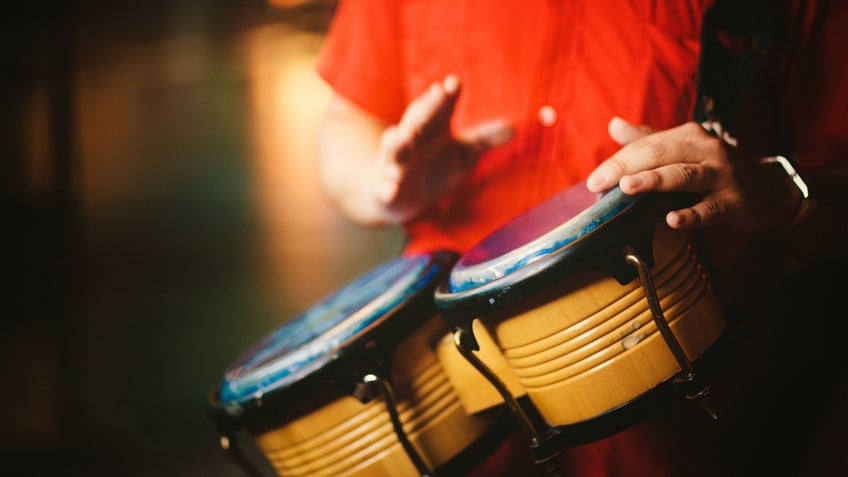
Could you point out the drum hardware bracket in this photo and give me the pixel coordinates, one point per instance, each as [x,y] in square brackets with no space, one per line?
[466,343]
[687,379]
[372,386]
[367,389]
[229,444]
[540,440]
[367,378]
[699,393]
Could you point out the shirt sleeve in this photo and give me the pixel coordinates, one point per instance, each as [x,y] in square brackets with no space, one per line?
[360,58]
[818,86]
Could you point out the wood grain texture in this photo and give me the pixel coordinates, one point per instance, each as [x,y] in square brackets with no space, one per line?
[348,438]
[589,344]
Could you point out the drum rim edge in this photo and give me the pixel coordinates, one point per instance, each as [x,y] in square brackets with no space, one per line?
[461,307]
[274,408]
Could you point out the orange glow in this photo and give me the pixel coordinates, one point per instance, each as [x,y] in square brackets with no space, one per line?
[286,99]
[286,3]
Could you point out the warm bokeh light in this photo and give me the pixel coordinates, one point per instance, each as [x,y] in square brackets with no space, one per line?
[170,213]
[304,241]
[287,3]
[285,101]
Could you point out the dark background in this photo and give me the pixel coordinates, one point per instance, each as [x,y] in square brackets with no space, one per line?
[161,213]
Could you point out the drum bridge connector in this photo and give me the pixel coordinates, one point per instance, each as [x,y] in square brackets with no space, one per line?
[687,380]
[545,441]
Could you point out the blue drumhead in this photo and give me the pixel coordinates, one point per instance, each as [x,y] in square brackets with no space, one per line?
[310,340]
[531,237]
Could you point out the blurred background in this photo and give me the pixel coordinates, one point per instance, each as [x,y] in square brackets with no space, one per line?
[161,214]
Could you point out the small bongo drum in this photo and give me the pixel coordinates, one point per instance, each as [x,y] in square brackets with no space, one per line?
[600,310]
[353,386]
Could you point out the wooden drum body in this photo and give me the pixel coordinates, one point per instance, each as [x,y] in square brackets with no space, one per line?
[571,315]
[354,386]
[589,344]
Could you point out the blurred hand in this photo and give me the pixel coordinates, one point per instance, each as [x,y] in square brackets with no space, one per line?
[749,197]
[420,158]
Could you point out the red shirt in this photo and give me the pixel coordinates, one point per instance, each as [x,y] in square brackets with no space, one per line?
[558,70]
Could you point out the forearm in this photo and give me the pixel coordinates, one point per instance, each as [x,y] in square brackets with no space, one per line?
[348,143]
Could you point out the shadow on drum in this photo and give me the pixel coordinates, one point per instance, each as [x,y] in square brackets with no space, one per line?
[601,312]
[356,386]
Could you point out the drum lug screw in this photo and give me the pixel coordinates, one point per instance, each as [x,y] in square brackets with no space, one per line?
[367,389]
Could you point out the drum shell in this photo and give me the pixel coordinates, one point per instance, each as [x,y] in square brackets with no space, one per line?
[345,437]
[297,391]
[588,344]
[475,391]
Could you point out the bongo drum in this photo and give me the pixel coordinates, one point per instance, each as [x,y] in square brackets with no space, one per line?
[600,310]
[353,386]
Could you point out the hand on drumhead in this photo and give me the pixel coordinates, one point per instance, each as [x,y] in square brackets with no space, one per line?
[747,196]
[420,158]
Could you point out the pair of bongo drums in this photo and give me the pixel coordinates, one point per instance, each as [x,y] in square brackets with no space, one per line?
[571,322]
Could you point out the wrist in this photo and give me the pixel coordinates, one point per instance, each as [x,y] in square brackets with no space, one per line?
[806,203]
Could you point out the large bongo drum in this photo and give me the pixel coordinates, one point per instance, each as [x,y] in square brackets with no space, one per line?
[354,387]
[601,311]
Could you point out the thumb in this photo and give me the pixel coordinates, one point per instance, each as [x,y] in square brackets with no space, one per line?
[487,135]
[624,132]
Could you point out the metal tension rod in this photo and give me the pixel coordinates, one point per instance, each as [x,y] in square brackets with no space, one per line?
[388,394]
[702,394]
[465,343]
